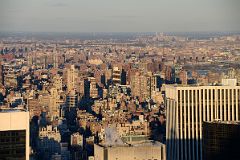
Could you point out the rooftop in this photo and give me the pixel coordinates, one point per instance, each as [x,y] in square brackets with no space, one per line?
[7,110]
[199,85]
[224,122]
[145,143]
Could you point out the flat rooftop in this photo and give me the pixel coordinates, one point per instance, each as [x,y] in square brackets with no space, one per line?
[145,143]
[7,110]
[224,122]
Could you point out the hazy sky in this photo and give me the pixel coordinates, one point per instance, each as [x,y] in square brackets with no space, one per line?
[119,15]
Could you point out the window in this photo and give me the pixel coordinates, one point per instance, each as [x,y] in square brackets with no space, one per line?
[13,145]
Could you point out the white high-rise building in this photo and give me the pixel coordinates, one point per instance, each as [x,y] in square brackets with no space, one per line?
[14,134]
[187,107]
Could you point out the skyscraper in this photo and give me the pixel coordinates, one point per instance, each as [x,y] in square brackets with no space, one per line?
[57,82]
[1,73]
[71,78]
[14,134]
[55,102]
[90,88]
[55,60]
[221,140]
[116,76]
[71,99]
[142,85]
[187,107]
[183,77]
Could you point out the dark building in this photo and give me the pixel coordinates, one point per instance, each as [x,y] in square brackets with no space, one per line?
[86,88]
[13,144]
[221,140]
[123,77]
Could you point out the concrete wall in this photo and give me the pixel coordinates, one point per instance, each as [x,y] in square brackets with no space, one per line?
[16,120]
[141,152]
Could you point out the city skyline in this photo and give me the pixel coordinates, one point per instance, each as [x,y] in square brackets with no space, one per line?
[92,99]
[119,80]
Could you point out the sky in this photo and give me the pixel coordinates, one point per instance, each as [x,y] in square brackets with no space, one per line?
[119,15]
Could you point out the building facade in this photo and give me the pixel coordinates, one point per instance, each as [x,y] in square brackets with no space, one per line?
[71,78]
[14,134]
[1,74]
[187,108]
[221,140]
[145,151]
[142,85]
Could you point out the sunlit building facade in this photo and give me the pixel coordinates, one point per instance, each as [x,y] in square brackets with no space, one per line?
[14,134]
[221,140]
[187,108]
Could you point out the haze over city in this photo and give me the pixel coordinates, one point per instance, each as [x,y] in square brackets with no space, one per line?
[119,16]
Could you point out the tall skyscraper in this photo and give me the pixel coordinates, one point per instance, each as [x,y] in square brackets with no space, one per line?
[221,140]
[72,99]
[142,85]
[187,108]
[183,77]
[93,87]
[55,60]
[55,102]
[9,76]
[116,76]
[71,78]
[14,134]
[1,74]
[57,82]
[90,88]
